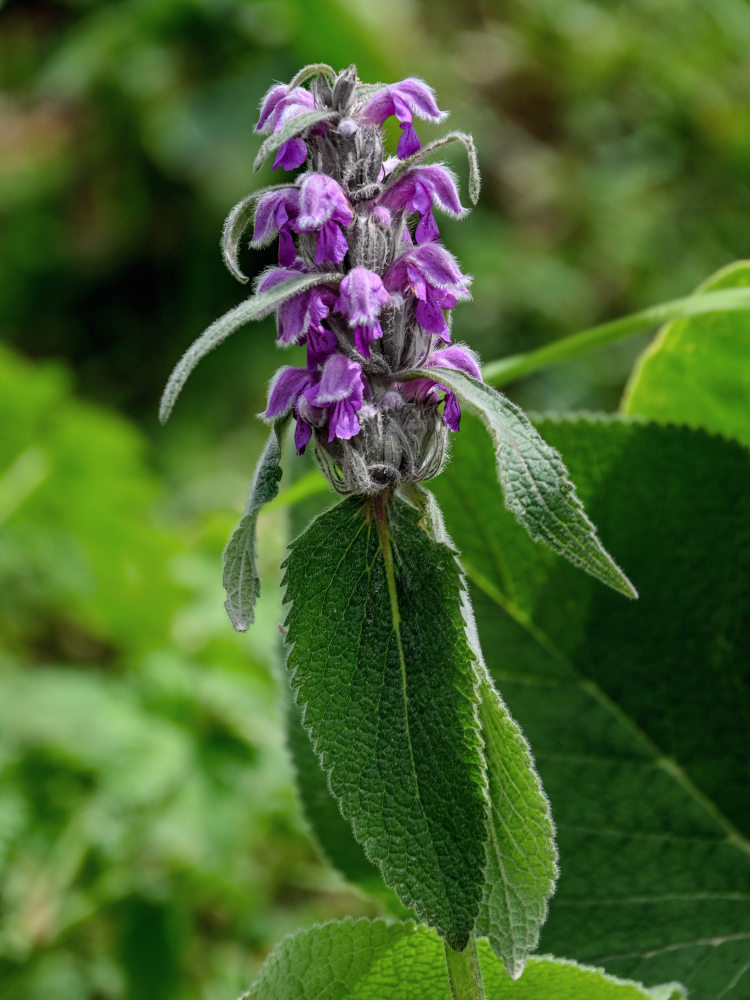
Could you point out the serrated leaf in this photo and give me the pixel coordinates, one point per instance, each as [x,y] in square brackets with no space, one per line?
[294,127]
[697,370]
[371,960]
[535,483]
[521,859]
[241,579]
[637,712]
[240,218]
[256,307]
[384,675]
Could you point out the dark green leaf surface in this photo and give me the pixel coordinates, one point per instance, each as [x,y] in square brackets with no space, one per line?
[256,307]
[637,712]
[697,371]
[535,483]
[241,580]
[373,960]
[385,678]
[294,127]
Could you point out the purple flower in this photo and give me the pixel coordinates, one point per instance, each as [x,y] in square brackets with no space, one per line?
[404,100]
[323,207]
[457,357]
[417,191]
[333,394]
[362,296]
[432,275]
[276,213]
[301,317]
[277,108]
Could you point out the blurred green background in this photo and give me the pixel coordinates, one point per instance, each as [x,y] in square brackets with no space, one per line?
[151,845]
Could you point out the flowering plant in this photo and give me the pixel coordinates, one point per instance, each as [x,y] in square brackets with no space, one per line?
[396,708]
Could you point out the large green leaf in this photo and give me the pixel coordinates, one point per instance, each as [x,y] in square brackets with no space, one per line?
[697,370]
[241,578]
[372,960]
[383,672]
[637,713]
[534,480]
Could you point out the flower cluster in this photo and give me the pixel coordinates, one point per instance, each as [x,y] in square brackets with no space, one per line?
[365,223]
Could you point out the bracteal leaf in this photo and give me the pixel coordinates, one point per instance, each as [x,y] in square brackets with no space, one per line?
[371,960]
[697,371]
[384,676]
[241,578]
[240,218]
[535,483]
[256,307]
[466,140]
[637,712]
[293,128]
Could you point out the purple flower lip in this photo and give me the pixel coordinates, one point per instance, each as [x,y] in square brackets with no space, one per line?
[361,297]
[324,207]
[404,100]
[280,105]
[433,277]
[417,191]
[457,357]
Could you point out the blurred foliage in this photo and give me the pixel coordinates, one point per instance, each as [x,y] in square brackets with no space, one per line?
[147,819]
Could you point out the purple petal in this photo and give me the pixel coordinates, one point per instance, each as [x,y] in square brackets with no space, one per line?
[343,422]
[430,317]
[409,142]
[332,245]
[321,199]
[297,315]
[412,92]
[452,411]
[291,154]
[340,379]
[457,357]
[427,229]
[361,296]
[321,343]
[364,336]
[287,249]
[278,275]
[286,387]
[302,435]
[268,106]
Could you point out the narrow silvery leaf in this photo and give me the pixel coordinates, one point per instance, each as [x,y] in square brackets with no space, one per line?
[466,141]
[241,578]
[294,127]
[521,858]
[256,307]
[371,959]
[534,480]
[384,675]
[236,223]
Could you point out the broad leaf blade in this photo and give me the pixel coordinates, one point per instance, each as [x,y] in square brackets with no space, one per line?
[294,127]
[371,960]
[256,307]
[521,859]
[241,579]
[697,371]
[637,712]
[535,483]
[384,675]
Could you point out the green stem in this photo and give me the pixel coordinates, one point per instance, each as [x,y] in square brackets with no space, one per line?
[464,973]
[723,300]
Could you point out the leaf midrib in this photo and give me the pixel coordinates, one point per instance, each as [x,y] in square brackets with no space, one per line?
[661,759]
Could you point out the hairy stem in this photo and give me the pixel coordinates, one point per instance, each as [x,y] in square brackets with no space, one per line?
[464,973]
[722,300]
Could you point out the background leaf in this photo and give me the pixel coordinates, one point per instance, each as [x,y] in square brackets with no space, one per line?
[534,480]
[370,960]
[696,371]
[637,712]
[392,712]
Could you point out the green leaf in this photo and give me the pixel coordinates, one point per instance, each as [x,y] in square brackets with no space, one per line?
[637,712]
[382,670]
[534,480]
[241,579]
[521,861]
[371,960]
[293,128]
[309,71]
[696,371]
[239,219]
[256,307]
